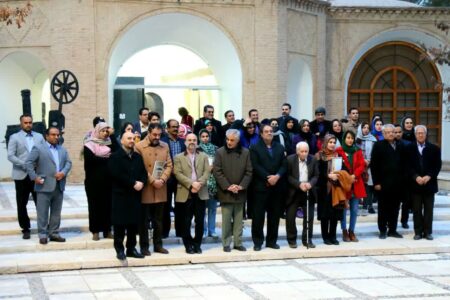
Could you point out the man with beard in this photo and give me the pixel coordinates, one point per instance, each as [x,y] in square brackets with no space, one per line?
[191,168]
[353,121]
[176,146]
[233,173]
[156,156]
[229,117]
[269,167]
[19,146]
[320,126]
[128,176]
[286,112]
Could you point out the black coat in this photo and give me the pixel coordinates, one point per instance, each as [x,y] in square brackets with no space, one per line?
[265,164]
[387,166]
[314,127]
[293,177]
[429,163]
[124,172]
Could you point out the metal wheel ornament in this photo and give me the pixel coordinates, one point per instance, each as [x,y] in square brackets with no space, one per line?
[64,87]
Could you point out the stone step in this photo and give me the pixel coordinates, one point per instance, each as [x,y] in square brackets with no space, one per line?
[444,180]
[212,253]
[83,240]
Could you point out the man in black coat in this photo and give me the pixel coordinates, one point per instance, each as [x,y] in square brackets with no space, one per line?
[424,165]
[286,112]
[320,126]
[387,171]
[128,176]
[303,173]
[269,168]
[208,114]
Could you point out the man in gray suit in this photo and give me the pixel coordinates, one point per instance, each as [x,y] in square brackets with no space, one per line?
[48,165]
[19,146]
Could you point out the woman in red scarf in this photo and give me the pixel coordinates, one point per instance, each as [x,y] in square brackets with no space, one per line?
[353,161]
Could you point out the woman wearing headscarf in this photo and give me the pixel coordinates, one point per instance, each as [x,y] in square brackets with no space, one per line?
[336,130]
[211,205]
[353,160]
[377,126]
[97,151]
[365,140]
[326,212]
[279,136]
[248,135]
[291,131]
[306,135]
[407,125]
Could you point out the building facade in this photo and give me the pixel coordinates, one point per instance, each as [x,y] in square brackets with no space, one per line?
[336,54]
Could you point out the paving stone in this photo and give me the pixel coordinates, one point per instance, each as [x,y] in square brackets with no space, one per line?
[424,268]
[65,284]
[353,270]
[14,286]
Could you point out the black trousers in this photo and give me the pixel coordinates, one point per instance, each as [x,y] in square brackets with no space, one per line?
[266,202]
[166,222]
[423,213]
[291,214]
[192,208]
[153,212]
[406,206]
[388,210]
[23,189]
[328,228]
[119,236]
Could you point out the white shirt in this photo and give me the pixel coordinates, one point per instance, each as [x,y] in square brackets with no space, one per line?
[303,171]
[420,147]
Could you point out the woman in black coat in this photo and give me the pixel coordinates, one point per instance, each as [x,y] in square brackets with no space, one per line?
[96,151]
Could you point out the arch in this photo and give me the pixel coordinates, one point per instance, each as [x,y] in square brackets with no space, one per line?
[193,32]
[381,86]
[20,70]
[300,89]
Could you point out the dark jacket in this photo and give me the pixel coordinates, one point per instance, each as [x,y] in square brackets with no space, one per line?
[265,164]
[314,127]
[232,167]
[126,201]
[429,163]
[387,166]
[293,177]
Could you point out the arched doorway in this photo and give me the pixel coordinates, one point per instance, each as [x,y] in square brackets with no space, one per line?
[393,79]
[200,36]
[300,89]
[18,71]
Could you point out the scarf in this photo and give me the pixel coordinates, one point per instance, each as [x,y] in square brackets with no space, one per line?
[97,145]
[325,153]
[349,150]
[362,137]
[280,134]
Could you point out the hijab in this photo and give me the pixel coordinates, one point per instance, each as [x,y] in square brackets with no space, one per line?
[338,135]
[325,153]
[349,150]
[408,135]
[97,145]
[362,137]
[307,136]
[208,147]
[377,134]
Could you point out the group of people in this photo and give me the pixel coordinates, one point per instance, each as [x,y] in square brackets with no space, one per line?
[268,169]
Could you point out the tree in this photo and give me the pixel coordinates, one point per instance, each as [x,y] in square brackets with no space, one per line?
[15,15]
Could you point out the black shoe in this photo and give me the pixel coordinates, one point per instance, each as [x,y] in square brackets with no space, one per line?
[429,237]
[395,234]
[197,249]
[417,237]
[57,238]
[256,248]
[161,250]
[43,241]
[26,235]
[327,242]
[134,253]
[121,255]
[226,249]
[382,235]
[190,250]
[335,242]
[240,248]
[146,252]
[371,211]
[293,246]
[405,225]
[309,245]
[273,246]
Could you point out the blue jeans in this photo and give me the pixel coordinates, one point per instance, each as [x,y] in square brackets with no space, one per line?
[210,218]
[354,203]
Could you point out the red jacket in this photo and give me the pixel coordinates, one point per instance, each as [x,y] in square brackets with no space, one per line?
[358,188]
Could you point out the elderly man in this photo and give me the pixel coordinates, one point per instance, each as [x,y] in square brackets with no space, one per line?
[303,173]
[128,176]
[19,146]
[424,165]
[191,168]
[233,173]
[156,156]
[387,172]
[48,165]
[269,168]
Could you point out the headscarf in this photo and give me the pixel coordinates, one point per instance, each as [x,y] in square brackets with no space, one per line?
[338,135]
[408,135]
[187,130]
[325,153]
[349,150]
[208,147]
[97,145]
[306,136]
[377,134]
[362,137]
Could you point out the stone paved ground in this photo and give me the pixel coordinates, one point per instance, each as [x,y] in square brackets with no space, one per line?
[425,276]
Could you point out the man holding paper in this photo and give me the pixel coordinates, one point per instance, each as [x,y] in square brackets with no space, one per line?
[157,161]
